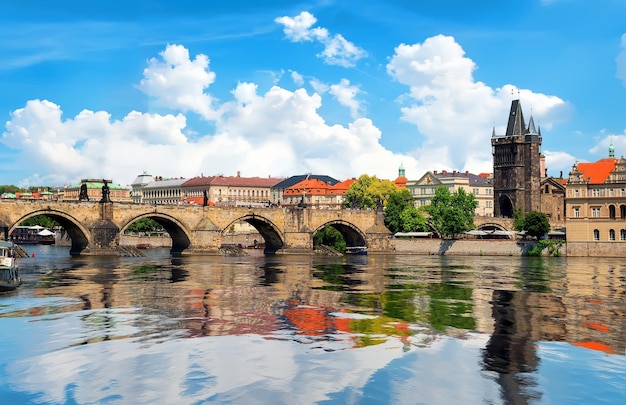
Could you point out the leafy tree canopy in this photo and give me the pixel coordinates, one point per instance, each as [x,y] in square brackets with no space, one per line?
[369,192]
[451,213]
[401,215]
[536,224]
[40,220]
[144,225]
[329,236]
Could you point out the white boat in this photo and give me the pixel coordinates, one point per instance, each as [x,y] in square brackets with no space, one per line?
[356,250]
[9,275]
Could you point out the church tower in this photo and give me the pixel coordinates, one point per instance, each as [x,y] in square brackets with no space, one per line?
[516,165]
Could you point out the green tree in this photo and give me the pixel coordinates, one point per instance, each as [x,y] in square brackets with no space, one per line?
[413,220]
[451,213]
[536,224]
[40,220]
[518,219]
[329,236]
[397,202]
[369,192]
[144,225]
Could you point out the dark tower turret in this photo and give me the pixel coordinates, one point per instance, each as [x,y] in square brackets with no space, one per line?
[516,165]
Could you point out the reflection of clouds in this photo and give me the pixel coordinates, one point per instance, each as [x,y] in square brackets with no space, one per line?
[226,368]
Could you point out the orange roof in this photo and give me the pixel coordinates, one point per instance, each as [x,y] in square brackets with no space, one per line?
[401,182]
[341,187]
[597,172]
[312,187]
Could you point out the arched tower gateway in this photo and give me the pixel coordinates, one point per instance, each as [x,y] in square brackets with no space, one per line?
[516,165]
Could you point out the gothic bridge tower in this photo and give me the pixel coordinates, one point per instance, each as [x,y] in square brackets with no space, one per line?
[516,165]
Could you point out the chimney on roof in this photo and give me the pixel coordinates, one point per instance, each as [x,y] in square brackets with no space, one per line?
[467,173]
[238,173]
[434,171]
[444,172]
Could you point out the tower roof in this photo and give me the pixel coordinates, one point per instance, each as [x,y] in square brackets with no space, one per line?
[516,125]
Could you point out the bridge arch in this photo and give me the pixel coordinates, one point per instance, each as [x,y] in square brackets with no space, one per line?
[491,226]
[176,230]
[351,234]
[76,231]
[274,239]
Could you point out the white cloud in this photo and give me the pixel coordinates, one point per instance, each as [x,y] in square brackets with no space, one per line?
[454,112]
[621,61]
[278,133]
[178,82]
[337,50]
[346,96]
[297,78]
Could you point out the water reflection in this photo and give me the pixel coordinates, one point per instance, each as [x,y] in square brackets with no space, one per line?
[316,329]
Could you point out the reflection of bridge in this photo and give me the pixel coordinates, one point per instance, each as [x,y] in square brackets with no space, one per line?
[94,227]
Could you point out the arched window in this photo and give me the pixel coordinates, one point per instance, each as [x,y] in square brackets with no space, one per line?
[612,211]
[596,234]
[622,234]
[611,234]
[622,211]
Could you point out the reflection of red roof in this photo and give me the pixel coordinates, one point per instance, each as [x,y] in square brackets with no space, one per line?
[597,172]
[314,321]
[595,346]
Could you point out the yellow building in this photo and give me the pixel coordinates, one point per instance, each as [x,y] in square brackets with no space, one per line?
[595,202]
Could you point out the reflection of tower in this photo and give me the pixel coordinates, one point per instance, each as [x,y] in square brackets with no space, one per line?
[516,165]
[510,349]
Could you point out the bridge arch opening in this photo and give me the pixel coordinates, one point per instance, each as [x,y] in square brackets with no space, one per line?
[71,229]
[176,231]
[272,239]
[351,234]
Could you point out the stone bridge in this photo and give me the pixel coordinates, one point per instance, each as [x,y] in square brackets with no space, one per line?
[95,227]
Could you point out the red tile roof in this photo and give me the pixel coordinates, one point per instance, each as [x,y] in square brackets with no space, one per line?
[597,172]
[232,181]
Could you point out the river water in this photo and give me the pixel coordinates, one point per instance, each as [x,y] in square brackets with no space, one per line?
[377,329]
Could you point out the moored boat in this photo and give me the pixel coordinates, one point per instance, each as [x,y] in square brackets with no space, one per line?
[356,250]
[9,274]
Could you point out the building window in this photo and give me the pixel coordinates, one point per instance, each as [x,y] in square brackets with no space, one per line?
[488,204]
[622,234]
[612,211]
[576,212]
[611,234]
[596,234]
[476,191]
[595,212]
[575,193]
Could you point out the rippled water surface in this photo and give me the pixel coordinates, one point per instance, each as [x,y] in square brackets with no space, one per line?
[313,330]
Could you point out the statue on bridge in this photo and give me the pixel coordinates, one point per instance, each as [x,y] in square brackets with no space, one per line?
[105,193]
[83,196]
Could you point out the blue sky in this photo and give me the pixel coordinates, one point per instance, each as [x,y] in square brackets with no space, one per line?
[111,89]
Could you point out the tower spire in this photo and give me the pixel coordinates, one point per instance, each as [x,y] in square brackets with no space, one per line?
[611,148]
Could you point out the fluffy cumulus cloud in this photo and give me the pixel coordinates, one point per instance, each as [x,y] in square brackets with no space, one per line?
[178,82]
[279,131]
[453,110]
[337,49]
